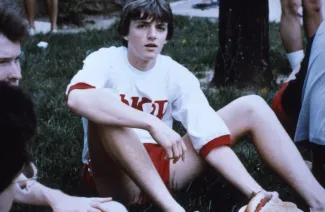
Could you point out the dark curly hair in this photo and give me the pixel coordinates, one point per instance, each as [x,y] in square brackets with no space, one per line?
[12,25]
[17,127]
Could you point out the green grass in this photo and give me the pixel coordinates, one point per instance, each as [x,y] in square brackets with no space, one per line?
[57,147]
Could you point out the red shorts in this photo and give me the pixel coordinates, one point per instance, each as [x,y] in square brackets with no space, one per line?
[287,122]
[277,105]
[157,155]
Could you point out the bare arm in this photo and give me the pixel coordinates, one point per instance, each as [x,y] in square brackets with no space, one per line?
[103,107]
[35,193]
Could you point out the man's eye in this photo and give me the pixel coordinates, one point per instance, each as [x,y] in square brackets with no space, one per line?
[140,26]
[161,28]
[2,62]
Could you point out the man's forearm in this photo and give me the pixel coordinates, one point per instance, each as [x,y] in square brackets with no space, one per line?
[103,107]
[227,163]
[35,193]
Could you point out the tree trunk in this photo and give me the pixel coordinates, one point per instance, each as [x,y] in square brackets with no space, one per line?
[243,55]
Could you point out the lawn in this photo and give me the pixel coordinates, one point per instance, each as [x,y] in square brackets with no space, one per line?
[57,147]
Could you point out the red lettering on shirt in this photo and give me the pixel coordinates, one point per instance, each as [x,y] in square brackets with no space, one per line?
[124,100]
[158,105]
[139,105]
[161,105]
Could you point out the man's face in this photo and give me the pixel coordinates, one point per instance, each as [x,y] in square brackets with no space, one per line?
[146,38]
[9,61]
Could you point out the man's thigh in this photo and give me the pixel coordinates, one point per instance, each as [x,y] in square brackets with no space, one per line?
[183,172]
[109,178]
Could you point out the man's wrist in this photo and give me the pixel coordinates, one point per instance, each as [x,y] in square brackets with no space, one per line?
[254,193]
[150,122]
[54,197]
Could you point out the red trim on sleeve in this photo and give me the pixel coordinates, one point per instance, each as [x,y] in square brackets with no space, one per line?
[80,86]
[217,142]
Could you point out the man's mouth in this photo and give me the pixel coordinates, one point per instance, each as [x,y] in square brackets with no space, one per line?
[151,45]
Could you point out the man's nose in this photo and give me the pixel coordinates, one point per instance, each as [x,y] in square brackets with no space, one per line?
[14,73]
[152,33]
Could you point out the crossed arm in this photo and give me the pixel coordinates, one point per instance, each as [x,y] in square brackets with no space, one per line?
[32,192]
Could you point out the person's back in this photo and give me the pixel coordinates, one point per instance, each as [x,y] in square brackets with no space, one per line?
[299,103]
[17,127]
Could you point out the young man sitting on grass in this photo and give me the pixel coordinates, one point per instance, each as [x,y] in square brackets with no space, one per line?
[18,125]
[299,104]
[131,95]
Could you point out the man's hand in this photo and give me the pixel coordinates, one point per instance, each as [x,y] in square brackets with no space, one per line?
[168,139]
[34,193]
[270,195]
[80,204]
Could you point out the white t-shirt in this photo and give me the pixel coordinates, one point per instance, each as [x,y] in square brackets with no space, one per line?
[168,91]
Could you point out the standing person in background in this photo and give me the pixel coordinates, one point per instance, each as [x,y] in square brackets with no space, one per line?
[52,10]
[290,26]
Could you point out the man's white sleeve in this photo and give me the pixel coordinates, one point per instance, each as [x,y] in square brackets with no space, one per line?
[95,71]
[201,121]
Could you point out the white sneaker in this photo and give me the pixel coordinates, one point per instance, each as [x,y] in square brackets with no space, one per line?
[31,31]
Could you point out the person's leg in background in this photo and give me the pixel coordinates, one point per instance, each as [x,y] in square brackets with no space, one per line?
[30,7]
[274,145]
[290,31]
[312,16]
[52,10]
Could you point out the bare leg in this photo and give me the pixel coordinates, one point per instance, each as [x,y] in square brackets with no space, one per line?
[30,12]
[312,16]
[274,145]
[52,9]
[182,173]
[126,151]
[290,25]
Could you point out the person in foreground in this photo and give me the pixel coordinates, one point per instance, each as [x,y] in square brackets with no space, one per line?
[130,96]
[18,125]
[299,103]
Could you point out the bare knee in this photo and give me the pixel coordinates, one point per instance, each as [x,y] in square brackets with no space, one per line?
[252,106]
[114,206]
[312,7]
[290,8]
